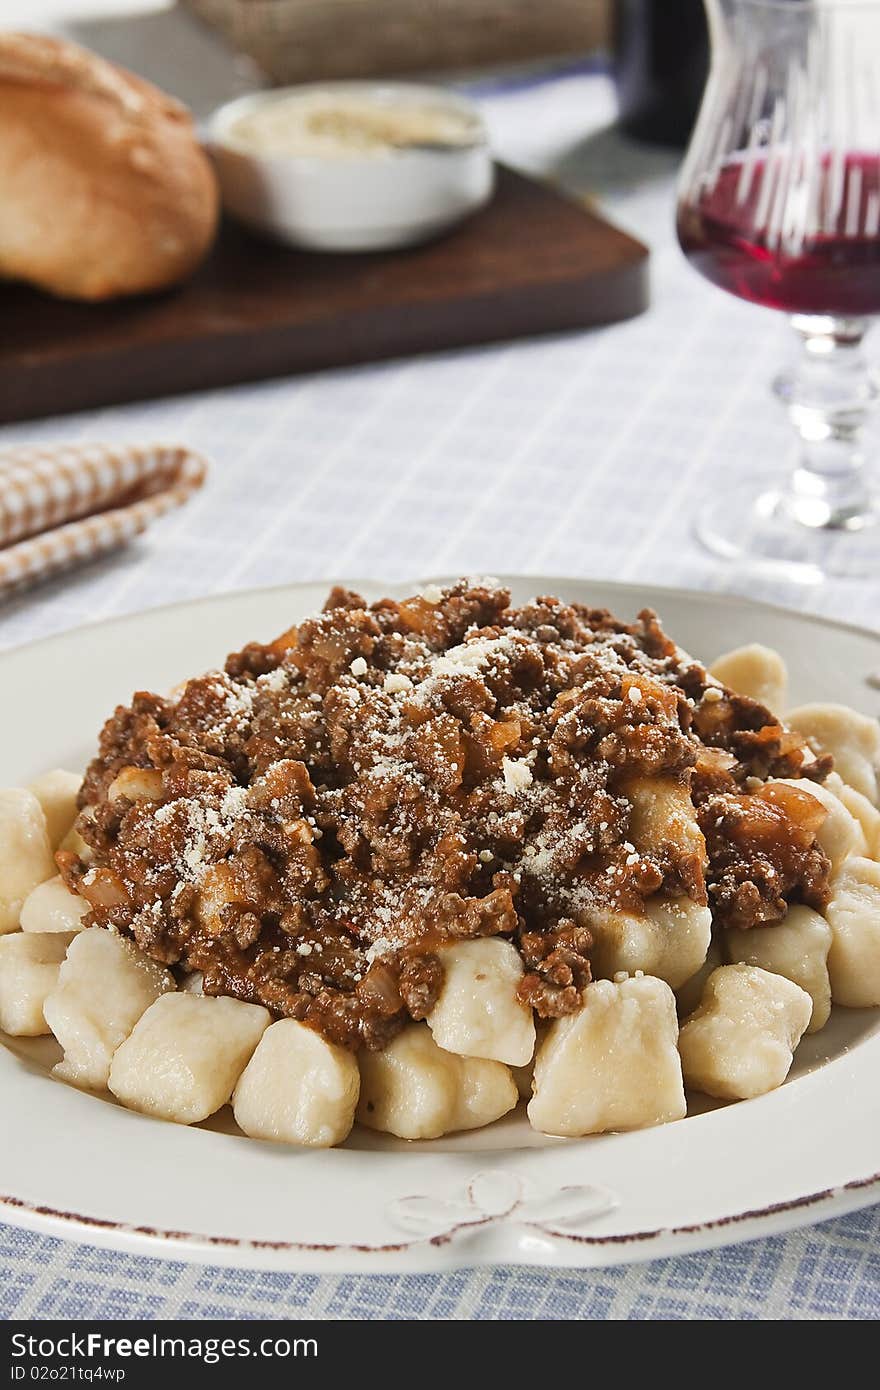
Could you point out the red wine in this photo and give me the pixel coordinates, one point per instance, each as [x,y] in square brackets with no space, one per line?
[805,246]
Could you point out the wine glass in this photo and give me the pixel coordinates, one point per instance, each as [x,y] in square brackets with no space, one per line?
[779,203]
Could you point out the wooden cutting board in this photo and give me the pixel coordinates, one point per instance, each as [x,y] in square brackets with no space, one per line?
[533,261]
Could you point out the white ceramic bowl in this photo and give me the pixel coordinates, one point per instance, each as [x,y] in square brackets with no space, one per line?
[357,202]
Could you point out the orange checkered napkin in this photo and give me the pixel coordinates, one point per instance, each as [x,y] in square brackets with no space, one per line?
[62,506]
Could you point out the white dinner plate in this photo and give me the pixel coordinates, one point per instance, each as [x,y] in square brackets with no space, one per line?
[81,1166]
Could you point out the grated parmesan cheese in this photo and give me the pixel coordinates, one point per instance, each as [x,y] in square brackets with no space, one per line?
[517,774]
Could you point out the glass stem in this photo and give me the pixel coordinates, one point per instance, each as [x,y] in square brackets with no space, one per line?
[829,393]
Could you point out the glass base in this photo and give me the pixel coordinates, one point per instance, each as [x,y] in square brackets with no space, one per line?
[757,525]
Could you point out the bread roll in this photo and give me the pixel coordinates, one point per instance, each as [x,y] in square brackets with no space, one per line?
[105,189]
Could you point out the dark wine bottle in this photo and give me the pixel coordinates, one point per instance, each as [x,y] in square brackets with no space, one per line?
[660,63]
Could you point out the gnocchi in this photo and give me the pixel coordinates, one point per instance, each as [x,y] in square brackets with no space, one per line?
[417,1091]
[56,792]
[103,987]
[136,784]
[662,813]
[797,948]
[861,809]
[851,738]
[755,671]
[29,966]
[74,842]
[854,917]
[670,941]
[478,1013]
[52,907]
[613,1065]
[740,1041]
[185,1054]
[297,1088]
[25,852]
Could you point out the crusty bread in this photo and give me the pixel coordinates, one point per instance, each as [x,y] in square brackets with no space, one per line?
[104,189]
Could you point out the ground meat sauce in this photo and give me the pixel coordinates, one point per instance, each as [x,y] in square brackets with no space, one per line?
[309,826]
[763,852]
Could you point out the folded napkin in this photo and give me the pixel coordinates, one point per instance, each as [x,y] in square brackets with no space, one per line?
[66,505]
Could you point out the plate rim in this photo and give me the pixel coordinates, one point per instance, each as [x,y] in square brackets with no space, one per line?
[339,1257]
[428,1253]
[724,597]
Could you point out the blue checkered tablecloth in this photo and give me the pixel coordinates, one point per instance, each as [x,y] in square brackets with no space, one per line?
[829,1271]
[581,454]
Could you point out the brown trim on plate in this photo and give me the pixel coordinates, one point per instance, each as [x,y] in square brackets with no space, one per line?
[235,1242]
